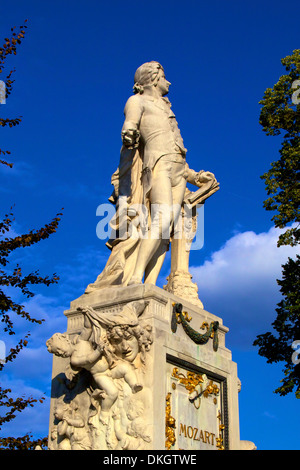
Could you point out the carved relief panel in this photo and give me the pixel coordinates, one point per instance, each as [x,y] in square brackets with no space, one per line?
[103,390]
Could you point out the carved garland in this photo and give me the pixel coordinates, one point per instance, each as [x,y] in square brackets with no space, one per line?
[180,317]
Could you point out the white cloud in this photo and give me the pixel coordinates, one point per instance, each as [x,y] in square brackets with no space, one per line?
[239,283]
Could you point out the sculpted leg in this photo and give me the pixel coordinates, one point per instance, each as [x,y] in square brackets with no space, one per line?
[152,250]
[110,391]
[155,264]
[167,193]
[126,370]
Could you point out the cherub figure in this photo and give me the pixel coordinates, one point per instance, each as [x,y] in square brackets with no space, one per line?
[136,434]
[99,360]
[71,429]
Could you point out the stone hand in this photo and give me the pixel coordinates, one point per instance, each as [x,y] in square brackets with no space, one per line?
[204,176]
[131,138]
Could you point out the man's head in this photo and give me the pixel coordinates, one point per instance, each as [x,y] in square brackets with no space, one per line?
[148,75]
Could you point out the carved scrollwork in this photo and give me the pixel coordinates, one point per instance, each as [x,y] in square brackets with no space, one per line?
[170,424]
[197,385]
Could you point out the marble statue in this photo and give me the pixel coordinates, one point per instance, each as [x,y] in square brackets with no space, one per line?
[150,188]
[113,380]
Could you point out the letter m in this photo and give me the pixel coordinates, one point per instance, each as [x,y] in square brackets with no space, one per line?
[182,429]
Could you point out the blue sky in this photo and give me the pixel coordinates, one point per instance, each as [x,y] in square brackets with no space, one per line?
[74,73]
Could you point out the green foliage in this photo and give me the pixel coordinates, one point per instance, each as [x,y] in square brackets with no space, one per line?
[280,115]
[10,48]
[14,279]
[287,326]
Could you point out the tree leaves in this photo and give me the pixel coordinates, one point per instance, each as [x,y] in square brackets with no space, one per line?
[283,186]
[280,115]
[287,327]
[14,278]
[10,122]
[278,112]
[23,443]
[10,44]
[10,48]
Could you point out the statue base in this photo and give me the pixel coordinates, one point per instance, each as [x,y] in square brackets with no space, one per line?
[166,381]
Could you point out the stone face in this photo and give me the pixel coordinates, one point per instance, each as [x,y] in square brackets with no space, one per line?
[119,399]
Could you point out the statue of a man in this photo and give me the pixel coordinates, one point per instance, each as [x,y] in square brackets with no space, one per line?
[149,118]
[152,173]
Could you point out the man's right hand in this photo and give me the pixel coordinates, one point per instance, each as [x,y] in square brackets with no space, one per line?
[131,138]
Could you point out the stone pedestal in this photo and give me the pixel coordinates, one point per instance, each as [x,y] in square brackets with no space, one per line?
[173,394]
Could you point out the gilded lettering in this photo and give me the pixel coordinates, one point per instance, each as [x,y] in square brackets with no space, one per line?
[197,434]
[190,432]
[182,429]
